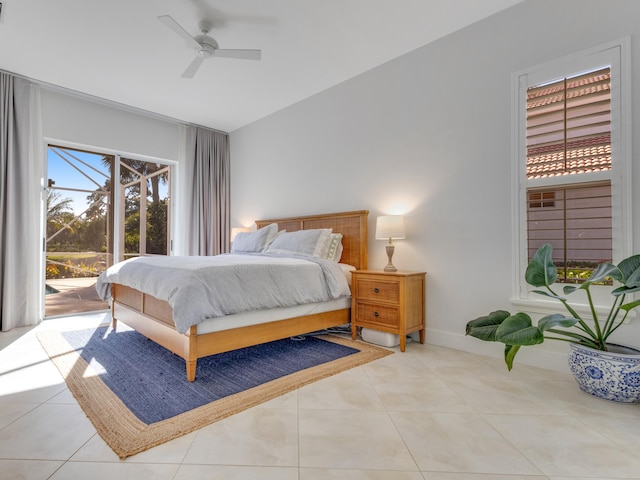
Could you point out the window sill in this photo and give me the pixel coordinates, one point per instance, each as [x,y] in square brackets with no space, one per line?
[547,307]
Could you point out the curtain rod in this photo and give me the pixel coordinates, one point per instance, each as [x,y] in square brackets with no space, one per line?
[109,103]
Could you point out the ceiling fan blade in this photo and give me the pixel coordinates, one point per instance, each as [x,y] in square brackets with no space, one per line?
[173,25]
[193,67]
[241,54]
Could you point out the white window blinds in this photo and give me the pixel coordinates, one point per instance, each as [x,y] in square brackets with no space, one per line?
[569,126]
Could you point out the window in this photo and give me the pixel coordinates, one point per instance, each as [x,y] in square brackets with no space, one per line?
[572,146]
[544,199]
[568,134]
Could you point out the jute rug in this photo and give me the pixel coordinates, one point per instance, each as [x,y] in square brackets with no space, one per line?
[136,395]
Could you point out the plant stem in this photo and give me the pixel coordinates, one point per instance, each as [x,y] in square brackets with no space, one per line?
[574,338]
[613,313]
[585,328]
[619,323]
[594,314]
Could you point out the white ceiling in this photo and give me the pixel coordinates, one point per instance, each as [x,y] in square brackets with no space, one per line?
[118,50]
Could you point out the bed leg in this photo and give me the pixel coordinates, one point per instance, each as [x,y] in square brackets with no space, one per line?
[191,370]
[114,320]
[192,352]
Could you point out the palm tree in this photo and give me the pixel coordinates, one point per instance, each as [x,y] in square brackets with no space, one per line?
[59,212]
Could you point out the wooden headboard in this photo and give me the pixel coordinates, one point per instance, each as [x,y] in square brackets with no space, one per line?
[352,225]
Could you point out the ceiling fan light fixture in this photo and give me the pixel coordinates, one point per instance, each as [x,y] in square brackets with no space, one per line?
[206,50]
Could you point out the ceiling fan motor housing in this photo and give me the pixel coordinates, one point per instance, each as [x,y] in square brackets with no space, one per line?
[208,46]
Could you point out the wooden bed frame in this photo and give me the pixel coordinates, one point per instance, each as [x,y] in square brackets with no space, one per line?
[153,318]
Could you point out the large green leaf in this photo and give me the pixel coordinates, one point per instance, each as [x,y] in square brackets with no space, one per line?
[634,279]
[484,328]
[548,294]
[630,306]
[624,290]
[510,352]
[602,271]
[630,271]
[541,272]
[518,330]
[556,320]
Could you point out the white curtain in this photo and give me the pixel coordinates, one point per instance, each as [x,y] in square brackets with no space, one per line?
[20,215]
[208,183]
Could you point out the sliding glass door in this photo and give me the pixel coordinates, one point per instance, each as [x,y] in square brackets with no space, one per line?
[93,221]
[79,223]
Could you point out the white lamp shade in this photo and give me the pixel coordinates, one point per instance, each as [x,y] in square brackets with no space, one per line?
[390,226]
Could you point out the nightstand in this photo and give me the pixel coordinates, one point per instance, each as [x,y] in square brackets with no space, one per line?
[388,301]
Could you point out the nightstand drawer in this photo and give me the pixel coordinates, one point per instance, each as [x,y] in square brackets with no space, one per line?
[367,314]
[378,290]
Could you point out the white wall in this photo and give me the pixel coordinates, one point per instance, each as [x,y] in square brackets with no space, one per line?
[428,135]
[101,126]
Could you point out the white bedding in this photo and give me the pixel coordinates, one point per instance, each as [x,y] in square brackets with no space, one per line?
[256,317]
[198,288]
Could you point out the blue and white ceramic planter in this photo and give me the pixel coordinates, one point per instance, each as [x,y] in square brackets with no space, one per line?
[612,375]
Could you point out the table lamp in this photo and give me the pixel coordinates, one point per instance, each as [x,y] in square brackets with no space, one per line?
[390,227]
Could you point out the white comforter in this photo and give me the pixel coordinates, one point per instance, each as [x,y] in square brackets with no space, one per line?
[198,288]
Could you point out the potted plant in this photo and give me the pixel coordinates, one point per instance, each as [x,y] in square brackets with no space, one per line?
[602,369]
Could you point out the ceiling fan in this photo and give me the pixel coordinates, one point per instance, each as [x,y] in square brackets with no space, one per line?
[205,46]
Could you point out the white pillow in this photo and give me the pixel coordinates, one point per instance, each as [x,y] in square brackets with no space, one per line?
[302,242]
[334,247]
[257,241]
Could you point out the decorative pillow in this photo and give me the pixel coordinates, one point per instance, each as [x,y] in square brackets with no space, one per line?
[302,242]
[334,247]
[257,241]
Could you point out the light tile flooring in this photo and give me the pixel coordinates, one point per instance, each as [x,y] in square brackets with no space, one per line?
[430,413]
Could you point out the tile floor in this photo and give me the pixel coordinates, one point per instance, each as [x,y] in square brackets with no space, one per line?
[430,413]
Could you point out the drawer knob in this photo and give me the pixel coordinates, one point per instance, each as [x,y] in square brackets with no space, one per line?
[376,314]
[376,290]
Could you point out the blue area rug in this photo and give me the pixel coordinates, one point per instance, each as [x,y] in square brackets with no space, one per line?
[151,381]
[136,394]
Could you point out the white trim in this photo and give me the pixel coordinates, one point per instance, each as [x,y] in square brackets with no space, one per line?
[107,151]
[574,63]
[625,145]
[518,151]
[117,186]
[37,152]
[568,179]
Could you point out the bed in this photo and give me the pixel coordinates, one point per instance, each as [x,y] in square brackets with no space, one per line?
[154,318]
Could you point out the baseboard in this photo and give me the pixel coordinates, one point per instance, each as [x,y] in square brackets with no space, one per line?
[535,356]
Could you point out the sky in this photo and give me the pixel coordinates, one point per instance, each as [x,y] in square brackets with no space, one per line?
[66,176]
[63,173]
